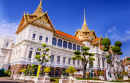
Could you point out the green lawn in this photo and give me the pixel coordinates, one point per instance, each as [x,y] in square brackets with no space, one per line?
[78,78]
[116,81]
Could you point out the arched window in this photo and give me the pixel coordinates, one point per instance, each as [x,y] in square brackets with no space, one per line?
[78,47]
[81,48]
[99,62]
[78,62]
[103,62]
[7,43]
[54,40]
[59,42]
[74,46]
[70,45]
[65,44]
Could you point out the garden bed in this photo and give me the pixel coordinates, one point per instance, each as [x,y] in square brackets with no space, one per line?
[89,78]
[55,79]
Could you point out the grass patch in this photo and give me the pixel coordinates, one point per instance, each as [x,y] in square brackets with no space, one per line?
[55,79]
[89,78]
[116,81]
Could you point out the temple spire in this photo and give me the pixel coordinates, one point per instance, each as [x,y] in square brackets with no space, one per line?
[84,17]
[40,5]
[106,34]
[39,9]
[84,27]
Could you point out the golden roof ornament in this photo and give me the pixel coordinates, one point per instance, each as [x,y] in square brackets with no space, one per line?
[84,27]
[39,9]
[84,17]
[106,34]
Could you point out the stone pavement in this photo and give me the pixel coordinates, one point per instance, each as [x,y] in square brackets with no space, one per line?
[10,80]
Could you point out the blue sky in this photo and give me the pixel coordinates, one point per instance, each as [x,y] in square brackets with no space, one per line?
[111,16]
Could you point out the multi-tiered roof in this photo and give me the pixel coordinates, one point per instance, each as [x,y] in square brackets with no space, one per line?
[41,19]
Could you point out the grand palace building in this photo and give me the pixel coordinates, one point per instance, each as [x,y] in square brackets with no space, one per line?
[36,29]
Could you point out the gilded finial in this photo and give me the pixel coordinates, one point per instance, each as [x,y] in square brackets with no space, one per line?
[84,17]
[40,5]
[27,13]
[24,13]
[106,34]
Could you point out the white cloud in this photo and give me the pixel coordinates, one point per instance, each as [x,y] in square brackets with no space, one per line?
[109,31]
[118,36]
[8,29]
[127,32]
[114,33]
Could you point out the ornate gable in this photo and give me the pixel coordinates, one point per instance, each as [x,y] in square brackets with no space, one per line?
[97,40]
[79,33]
[43,20]
[38,18]
[92,34]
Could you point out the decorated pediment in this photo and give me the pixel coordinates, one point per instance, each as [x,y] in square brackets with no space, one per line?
[43,20]
[92,35]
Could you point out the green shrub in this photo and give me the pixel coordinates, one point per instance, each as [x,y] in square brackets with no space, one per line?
[7,73]
[106,41]
[118,43]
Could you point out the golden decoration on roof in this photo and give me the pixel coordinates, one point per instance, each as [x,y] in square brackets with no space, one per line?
[84,27]
[39,9]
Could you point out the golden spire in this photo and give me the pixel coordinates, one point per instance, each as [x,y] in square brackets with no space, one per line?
[84,27]
[39,9]
[40,5]
[84,17]
[106,34]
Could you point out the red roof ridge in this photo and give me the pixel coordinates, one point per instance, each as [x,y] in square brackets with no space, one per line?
[67,35]
[96,39]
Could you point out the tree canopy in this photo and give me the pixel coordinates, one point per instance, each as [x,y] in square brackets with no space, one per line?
[116,49]
[106,41]
[118,43]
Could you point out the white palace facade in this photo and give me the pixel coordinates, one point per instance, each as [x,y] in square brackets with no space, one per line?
[36,29]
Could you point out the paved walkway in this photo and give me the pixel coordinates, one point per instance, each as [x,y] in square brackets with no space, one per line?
[10,80]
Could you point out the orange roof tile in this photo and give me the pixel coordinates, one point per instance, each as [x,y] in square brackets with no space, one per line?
[67,35]
[96,39]
[101,47]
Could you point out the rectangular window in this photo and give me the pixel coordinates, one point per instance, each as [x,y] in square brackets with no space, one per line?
[74,46]
[58,58]
[46,39]
[37,53]
[34,35]
[64,58]
[78,62]
[78,47]
[7,43]
[73,61]
[40,37]
[82,63]
[81,48]
[69,60]
[52,58]
[30,54]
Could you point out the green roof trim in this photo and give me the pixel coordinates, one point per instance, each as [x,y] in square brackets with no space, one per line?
[128,58]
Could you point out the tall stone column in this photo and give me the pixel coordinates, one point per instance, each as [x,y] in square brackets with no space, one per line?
[61,59]
[55,59]
[28,51]
[101,63]
[23,50]
[7,57]
[33,54]
[95,65]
